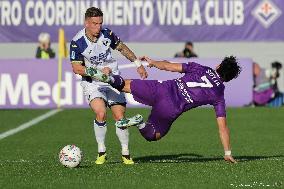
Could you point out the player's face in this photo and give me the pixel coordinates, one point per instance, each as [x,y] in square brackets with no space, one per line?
[94,25]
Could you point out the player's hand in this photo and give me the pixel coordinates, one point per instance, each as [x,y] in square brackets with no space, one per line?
[106,70]
[230,159]
[142,72]
[149,60]
[145,58]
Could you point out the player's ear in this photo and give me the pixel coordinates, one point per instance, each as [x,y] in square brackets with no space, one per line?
[86,23]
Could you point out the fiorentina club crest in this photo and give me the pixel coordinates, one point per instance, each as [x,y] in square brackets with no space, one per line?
[266,12]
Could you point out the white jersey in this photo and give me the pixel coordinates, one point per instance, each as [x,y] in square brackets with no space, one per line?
[95,54]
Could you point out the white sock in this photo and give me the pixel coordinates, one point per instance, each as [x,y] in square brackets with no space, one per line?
[100,129]
[141,126]
[123,136]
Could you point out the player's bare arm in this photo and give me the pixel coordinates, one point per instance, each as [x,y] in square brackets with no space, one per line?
[163,65]
[78,68]
[224,134]
[125,51]
[106,70]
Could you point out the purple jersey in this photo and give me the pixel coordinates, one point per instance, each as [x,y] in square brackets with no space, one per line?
[199,86]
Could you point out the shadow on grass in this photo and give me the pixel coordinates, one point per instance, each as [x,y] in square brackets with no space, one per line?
[183,158]
[84,166]
[197,158]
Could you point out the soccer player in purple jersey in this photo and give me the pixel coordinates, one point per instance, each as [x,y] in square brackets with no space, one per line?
[200,85]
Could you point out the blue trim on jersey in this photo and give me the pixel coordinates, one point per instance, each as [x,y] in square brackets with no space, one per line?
[77,48]
[82,44]
[110,35]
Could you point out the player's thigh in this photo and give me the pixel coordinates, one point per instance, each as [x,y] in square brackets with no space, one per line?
[96,98]
[114,97]
[162,116]
[116,102]
[160,122]
[118,111]
[98,105]
[144,91]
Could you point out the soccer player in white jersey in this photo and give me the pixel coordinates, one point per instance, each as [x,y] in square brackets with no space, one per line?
[90,50]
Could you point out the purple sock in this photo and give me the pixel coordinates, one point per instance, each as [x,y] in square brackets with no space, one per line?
[117,82]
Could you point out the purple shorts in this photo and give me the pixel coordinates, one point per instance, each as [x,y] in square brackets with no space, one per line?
[157,95]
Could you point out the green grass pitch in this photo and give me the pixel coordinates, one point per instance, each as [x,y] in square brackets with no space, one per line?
[190,156]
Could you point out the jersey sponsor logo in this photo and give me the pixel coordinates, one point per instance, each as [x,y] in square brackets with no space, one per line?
[183,90]
[99,59]
[74,46]
[266,12]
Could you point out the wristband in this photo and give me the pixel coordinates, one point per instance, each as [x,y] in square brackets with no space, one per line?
[137,63]
[228,152]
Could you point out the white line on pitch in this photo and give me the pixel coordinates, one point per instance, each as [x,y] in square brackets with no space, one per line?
[29,124]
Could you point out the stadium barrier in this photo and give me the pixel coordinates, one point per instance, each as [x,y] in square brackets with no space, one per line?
[33,83]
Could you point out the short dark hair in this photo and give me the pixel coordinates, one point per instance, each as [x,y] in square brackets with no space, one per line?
[93,12]
[229,69]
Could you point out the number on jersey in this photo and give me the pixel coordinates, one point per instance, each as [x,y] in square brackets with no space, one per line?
[205,84]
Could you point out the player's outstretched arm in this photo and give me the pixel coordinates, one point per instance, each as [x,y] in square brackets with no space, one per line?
[91,72]
[163,65]
[78,68]
[225,139]
[125,51]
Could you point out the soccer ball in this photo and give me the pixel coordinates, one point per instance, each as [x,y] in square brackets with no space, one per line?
[70,156]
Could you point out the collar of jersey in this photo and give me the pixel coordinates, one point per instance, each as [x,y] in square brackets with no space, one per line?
[91,39]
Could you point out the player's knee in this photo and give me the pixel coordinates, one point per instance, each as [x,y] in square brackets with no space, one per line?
[153,137]
[150,132]
[158,136]
[100,115]
[117,117]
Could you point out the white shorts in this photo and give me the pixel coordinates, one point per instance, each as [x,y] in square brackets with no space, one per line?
[106,92]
